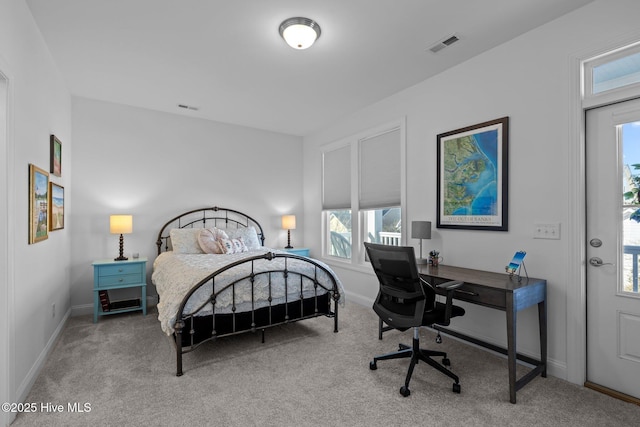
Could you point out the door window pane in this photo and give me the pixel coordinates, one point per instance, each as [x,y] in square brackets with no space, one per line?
[630,133]
[617,73]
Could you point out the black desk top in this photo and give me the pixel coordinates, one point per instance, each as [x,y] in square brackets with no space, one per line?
[487,279]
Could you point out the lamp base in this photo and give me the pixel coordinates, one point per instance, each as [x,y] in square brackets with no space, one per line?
[121,258]
[288,247]
[422,261]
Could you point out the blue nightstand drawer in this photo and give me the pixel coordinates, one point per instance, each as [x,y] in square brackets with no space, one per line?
[114,270]
[298,251]
[121,279]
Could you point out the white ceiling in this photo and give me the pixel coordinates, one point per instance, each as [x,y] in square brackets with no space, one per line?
[226,57]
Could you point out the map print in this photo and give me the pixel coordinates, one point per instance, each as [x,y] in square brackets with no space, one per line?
[471,181]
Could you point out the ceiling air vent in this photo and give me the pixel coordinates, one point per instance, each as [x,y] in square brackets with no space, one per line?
[444,43]
[188,107]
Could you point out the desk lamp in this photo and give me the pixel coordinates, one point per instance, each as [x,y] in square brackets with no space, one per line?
[121,224]
[421,230]
[289,223]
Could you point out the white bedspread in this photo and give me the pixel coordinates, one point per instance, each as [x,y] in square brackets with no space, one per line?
[175,274]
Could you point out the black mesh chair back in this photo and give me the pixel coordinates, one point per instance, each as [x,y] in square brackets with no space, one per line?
[401,299]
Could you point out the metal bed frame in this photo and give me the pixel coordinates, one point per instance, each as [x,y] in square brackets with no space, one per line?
[192,330]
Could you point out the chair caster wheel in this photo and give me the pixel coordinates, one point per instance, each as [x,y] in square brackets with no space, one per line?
[372,365]
[446,362]
[404,391]
[456,388]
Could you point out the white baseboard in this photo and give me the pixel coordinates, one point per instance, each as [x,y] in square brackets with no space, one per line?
[25,386]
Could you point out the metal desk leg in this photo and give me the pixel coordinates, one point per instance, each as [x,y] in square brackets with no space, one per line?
[542,322]
[511,348]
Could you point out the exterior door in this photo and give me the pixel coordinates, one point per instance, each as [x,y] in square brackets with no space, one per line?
[613,247]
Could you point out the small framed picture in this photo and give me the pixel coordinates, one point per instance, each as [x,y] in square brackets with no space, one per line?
[38,200]
[56,156]
[56,206]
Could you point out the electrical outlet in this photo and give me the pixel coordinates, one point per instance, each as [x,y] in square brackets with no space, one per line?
[546,231]
[53,310]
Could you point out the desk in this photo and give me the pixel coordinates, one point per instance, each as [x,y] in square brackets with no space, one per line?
[501,292]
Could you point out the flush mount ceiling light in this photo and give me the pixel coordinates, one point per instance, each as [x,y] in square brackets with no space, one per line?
[300,33]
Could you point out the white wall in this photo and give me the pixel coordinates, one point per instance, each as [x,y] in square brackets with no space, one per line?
[527,79]
[158,165]
[39,105]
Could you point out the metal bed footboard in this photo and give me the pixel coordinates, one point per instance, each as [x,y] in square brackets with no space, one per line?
[257,318]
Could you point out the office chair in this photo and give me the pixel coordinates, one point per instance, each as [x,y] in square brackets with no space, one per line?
[406,301]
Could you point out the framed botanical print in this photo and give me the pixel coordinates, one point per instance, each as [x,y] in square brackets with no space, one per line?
[473,177]
[56,206]
[56,156]
[38,199]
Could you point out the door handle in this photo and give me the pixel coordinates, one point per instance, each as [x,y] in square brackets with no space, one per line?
[597,262]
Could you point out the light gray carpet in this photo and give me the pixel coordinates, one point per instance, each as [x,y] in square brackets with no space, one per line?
[304,374]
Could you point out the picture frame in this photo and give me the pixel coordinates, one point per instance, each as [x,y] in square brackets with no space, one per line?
[55,156]
[38,202]
[473,166]
[56,206]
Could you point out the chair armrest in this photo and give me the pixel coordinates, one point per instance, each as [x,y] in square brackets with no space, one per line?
[449,287]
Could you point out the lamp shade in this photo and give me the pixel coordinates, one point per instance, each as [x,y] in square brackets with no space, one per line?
[421,229]
[289,222]
[121,224]
[300,33]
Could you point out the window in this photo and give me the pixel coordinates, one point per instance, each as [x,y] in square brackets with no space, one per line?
[607,74]
[373,163]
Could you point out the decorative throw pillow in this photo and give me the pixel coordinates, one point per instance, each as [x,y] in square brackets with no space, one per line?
[232,246]
[185,240]
[208,239]
[249,236]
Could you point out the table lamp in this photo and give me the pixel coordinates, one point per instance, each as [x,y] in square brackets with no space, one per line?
[289,223]
[121,224]
[421,230]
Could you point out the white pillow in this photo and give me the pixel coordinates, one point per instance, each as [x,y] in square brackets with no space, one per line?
[185,240]
[208,240]
[232,246]
[249,236]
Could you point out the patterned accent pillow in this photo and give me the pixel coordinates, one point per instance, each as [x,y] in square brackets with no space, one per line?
[249,236]
[185,240]
[233,246]
[208,239]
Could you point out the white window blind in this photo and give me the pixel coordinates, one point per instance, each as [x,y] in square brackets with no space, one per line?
[380,170]
[336,178]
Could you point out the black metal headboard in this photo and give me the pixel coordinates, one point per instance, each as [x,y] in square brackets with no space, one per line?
[207,217]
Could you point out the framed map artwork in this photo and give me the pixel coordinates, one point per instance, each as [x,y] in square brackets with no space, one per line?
[473,177]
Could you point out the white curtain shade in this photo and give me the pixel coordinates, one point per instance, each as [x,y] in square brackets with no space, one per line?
[336,179]
[380,170]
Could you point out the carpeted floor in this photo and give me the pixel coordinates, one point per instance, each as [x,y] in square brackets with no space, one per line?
[123,368]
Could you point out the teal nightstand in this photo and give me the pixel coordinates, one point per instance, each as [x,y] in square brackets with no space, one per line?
[299,251]
[109,275]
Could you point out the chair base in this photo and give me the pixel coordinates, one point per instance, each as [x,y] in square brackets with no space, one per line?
[417,354]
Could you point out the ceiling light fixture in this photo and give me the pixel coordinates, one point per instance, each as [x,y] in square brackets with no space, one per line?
[300,33]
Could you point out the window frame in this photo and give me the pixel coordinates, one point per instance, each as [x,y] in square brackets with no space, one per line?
[591,99]
[357,215]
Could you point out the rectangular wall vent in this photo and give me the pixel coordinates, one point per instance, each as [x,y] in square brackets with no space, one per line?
[188,107]
[448,41]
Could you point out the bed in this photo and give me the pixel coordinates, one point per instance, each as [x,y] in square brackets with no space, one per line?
[215,278]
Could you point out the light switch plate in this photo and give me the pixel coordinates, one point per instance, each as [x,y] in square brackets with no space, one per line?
[546,231]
